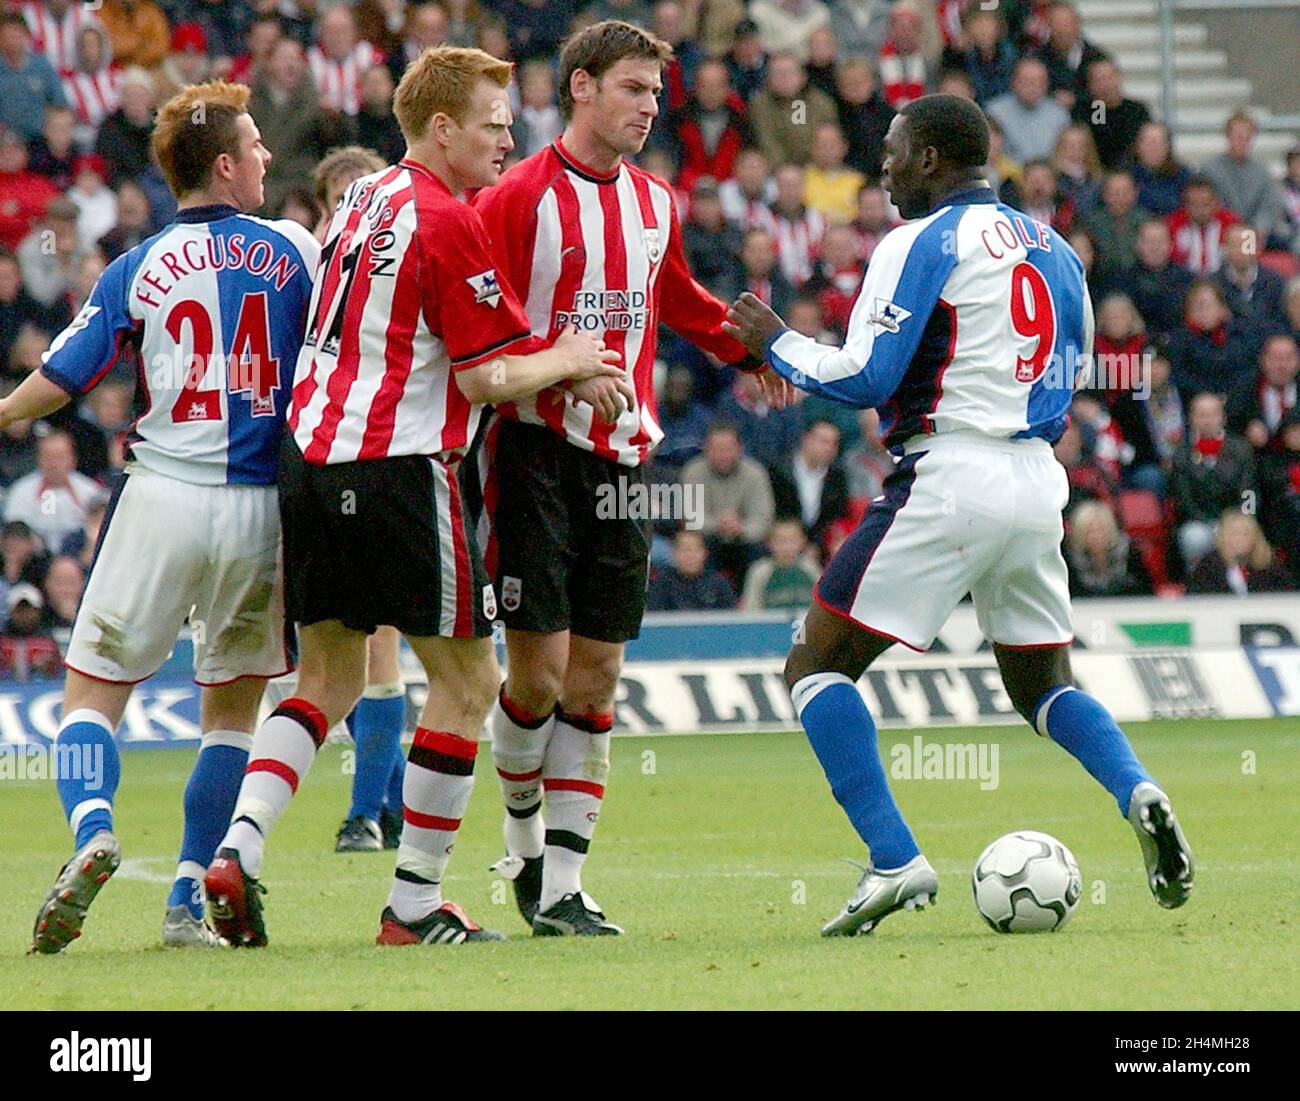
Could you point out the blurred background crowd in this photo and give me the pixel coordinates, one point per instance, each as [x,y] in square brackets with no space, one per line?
[1184,461]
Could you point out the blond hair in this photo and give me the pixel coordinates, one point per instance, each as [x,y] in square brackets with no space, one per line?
[1091,159]
[441,81]
[1087,513]
[1261,554]
[194,128]
[349,160]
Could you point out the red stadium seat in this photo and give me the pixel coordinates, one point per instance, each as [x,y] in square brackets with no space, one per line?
[1143,517]
[1286,264]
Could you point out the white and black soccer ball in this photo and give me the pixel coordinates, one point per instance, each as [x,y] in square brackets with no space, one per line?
[1026,882]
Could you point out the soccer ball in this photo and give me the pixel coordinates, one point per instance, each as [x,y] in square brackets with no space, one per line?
[1026,882]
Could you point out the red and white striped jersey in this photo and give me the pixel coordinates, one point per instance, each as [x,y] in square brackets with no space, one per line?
[602,252]
[56,36]
[798,240]
[339,81]
[94,96]
[406,294]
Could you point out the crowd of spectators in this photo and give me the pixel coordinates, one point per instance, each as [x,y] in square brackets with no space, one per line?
[770,131]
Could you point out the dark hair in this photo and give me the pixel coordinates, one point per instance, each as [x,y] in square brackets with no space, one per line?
[722,425]
[1200,181]
[820,420]
[954,126]
[601,46]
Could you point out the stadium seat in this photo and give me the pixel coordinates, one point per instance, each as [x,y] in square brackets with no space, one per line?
[1286,264]
[1143,517]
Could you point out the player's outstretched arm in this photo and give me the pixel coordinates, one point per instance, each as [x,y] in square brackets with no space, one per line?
[36,397]
[900,291]
[574,356]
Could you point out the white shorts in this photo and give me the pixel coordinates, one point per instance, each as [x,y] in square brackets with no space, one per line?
[961,513]
[173,550]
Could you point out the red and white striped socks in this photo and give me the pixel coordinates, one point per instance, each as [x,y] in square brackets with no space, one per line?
[519,743]
[574,771]
[283,749]
[435,791]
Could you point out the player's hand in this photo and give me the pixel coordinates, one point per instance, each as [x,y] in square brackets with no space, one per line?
[752,322]
[775,390]
[608,397]
[587,356]
[5,417]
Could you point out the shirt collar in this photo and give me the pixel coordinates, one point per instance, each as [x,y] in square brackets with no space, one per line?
[211,213]
[583,170]
[976,193]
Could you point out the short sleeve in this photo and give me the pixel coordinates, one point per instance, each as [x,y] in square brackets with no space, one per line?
[86,350]
[478,314]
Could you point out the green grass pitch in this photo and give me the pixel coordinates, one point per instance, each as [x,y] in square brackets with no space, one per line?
[721,855]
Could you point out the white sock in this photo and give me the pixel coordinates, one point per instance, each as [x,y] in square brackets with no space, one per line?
[518,745]
[435,792]
[283,750]
[573,773]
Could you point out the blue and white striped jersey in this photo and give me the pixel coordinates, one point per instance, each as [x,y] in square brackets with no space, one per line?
[213,309]
[973,318]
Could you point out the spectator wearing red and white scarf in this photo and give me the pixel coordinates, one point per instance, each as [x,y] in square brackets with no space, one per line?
[339,62]
[1259,406]
[56,27]
[93,86]
[903,70]
[1197,228]
[796,229]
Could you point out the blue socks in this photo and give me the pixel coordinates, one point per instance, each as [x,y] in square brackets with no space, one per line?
[87,771]
[209,802]
[843,735]
[376,726]
[1080,725]
[393,800]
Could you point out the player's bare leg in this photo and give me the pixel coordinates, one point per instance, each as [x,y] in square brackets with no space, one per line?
[822,673]
[463,677]
[574,772]
[1041,688]
[522,721]
[374,819]
[331,676]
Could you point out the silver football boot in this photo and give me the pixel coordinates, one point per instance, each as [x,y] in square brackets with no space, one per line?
[914,886]
[181,929]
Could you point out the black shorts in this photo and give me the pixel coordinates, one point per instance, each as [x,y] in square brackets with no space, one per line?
[560,561]
[384,541]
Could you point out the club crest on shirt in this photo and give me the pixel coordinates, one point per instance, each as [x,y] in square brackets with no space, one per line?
[486,287]
[888,316]
[653,246]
